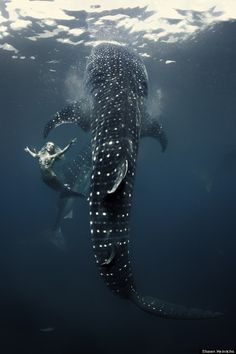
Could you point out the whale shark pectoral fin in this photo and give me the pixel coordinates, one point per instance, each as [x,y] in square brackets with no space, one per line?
[162,138]
[121,173]
[152,128]
[169,310]
[75,113]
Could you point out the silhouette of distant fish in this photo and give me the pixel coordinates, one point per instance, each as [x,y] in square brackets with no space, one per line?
[47,329]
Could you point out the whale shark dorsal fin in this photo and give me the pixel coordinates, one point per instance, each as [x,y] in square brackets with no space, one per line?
[122,171]
[111,257]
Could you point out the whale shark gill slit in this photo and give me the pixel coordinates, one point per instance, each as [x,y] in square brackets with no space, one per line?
[117,85]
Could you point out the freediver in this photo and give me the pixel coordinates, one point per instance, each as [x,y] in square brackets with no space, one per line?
[47,156]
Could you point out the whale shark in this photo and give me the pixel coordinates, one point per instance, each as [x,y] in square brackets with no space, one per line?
[115,111]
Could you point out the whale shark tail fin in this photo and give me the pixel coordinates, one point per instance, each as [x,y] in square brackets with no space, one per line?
[165,309]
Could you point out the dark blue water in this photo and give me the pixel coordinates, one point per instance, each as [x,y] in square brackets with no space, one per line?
[183,218]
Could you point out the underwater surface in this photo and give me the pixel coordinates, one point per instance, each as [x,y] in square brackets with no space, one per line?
[183,227]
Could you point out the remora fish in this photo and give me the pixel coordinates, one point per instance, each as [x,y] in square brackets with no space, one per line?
[117,85]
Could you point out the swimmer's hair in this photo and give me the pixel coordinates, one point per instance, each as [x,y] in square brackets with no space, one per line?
[56,149]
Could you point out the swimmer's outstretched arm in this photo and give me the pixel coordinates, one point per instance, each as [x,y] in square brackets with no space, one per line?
[60,153]
[32,153]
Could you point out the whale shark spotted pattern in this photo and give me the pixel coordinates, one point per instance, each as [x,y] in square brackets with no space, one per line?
[117,85]
[76,174]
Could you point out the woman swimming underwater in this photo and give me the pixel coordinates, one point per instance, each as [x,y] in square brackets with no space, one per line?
[49,153]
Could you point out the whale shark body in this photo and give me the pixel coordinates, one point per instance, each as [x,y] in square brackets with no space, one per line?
[116,83]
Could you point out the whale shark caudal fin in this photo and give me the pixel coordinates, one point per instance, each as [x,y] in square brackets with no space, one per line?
[165,309]
[75,113]
[152,128]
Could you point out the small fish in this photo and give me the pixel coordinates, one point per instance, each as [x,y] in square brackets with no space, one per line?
[47,329]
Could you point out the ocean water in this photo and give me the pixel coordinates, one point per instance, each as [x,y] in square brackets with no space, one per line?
[183,217]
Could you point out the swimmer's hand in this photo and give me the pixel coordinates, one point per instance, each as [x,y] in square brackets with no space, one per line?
[34,154]
[73,141]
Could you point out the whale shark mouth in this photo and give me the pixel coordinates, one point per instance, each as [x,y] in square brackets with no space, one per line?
[117,86]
